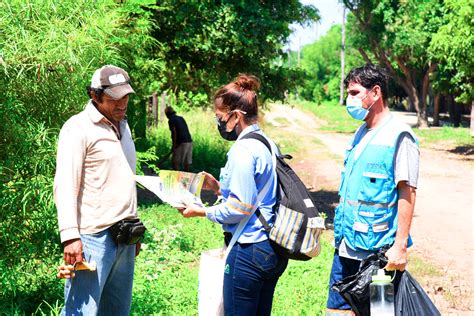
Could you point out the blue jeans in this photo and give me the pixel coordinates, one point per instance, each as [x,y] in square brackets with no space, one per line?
[341,268]
[251,274]
[108,290]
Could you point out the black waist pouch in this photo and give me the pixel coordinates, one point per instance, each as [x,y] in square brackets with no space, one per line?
[127,231]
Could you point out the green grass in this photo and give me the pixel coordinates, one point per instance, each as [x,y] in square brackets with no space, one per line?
[334,117]
[421,268]
[287,145]
[166,272]
[458,136]
[303,288]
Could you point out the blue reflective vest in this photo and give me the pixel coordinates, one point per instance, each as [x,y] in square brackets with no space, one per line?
[366,216]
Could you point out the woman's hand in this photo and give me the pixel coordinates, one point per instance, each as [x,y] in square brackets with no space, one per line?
[210,183]
[193,211]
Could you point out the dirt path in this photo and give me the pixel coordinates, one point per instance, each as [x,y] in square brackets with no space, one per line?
[442,227]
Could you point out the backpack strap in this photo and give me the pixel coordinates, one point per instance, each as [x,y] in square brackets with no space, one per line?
[262,139]
[244,221]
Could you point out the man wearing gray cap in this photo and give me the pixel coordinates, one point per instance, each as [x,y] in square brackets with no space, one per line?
[95,196]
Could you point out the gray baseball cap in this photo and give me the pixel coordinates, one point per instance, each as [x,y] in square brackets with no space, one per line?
[113,80]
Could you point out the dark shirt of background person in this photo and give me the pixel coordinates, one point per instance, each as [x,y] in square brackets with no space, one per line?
[181,140]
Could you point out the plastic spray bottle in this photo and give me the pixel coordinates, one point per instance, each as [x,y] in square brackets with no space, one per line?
[382,295]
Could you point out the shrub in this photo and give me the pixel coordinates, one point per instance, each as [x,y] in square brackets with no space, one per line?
[29,240]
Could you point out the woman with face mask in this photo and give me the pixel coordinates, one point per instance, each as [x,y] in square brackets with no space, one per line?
[247,181]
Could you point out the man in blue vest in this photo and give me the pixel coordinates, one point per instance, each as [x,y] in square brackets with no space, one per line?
[378,185]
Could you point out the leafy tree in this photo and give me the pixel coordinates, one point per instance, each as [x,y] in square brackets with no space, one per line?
[452,46]
[207,43]
[321,62]
[398,34]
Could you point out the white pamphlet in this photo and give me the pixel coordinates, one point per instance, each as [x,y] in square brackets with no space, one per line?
[176,188]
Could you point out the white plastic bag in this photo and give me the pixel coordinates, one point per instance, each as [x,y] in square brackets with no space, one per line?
[211,283]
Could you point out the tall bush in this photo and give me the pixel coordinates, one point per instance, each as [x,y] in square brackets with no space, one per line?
[48,51]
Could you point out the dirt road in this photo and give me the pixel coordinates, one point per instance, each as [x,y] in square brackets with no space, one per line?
[442,227]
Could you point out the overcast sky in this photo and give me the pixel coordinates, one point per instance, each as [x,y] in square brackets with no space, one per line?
[330,12]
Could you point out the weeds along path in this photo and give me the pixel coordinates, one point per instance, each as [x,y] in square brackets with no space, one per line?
[320,168]
[442,227]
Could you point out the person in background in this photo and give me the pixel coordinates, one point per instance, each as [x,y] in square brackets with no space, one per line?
[378,185]
[181,140]
[95,196]
[252,266]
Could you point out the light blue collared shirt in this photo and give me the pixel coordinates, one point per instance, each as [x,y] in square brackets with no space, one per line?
[249,166]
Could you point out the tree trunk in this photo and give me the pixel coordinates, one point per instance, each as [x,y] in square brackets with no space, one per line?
[408,83]
[364,56]
[472,119]
[414,101]
[454,111]
[423,117]
[161,116]
[436,109]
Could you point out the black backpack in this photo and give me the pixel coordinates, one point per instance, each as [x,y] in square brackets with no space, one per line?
[297,226]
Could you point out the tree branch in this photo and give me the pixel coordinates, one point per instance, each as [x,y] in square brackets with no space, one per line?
[364,55]
[405,70]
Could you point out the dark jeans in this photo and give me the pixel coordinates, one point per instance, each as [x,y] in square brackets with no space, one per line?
[250,276]
[341,268]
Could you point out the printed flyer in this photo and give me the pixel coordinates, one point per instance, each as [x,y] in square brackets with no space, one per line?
[176,188]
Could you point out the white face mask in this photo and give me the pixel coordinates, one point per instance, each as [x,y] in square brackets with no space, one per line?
[355,108]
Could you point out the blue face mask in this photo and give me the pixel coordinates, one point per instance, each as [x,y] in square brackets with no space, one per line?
[355,109]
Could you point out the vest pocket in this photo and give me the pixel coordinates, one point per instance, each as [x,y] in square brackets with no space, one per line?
[338,220]
[370,228]
[374,187]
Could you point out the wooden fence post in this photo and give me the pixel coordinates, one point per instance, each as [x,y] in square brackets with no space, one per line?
[163,104]
[152,113]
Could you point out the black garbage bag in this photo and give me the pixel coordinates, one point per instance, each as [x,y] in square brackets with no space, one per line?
[412,300]
[355,288]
